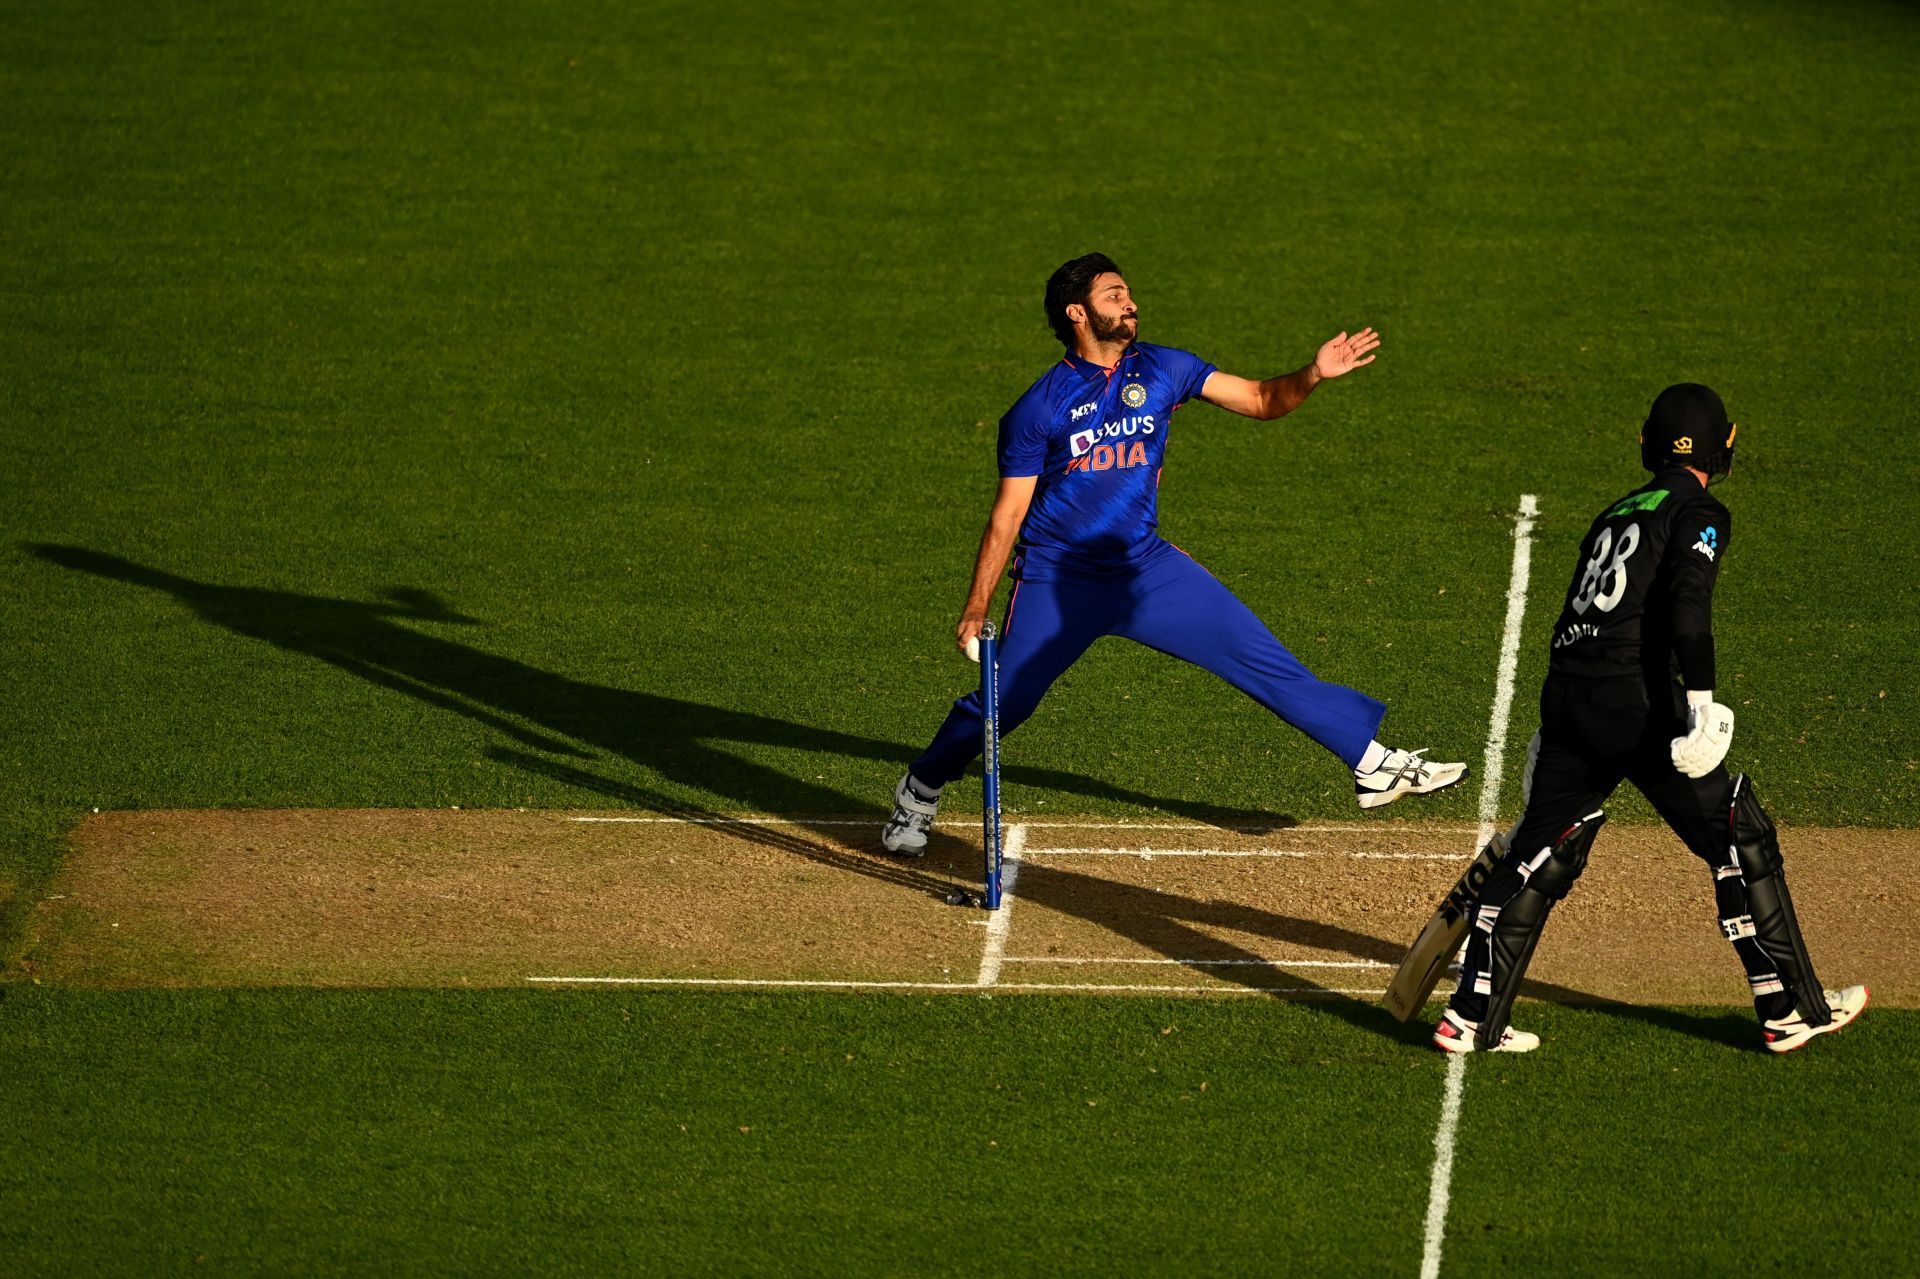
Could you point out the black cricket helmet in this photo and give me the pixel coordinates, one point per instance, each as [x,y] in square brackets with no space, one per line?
[1688,426]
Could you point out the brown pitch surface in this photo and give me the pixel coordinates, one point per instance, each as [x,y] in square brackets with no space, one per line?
[447,898]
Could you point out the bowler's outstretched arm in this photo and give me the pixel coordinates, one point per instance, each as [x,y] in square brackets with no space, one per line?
[1279,396]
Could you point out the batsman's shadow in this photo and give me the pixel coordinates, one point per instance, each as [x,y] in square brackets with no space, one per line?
[1189,931]
[1716,1026]
[1193,932]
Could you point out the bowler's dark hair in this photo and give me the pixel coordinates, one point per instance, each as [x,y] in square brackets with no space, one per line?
[1072,283]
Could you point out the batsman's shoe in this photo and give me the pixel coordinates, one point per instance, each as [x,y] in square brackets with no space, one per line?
[1404,773]
[905,834]
[1455,1034]
[1784,1034]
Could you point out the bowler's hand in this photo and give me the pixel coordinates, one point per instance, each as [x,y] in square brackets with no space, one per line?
[1343,353]
[967,634]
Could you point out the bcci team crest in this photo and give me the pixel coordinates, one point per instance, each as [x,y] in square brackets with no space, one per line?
[1133,395]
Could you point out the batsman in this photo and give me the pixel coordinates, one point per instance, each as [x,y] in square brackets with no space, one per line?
[1629,697]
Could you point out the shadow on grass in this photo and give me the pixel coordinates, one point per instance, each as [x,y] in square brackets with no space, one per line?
[1733,1029]
[558,727]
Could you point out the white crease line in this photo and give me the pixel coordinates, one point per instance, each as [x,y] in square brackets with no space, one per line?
[803,983]
[1509,663]
[823,983]
[1333,828]
[1370,991]
[729,821]
[1002,919]
[1439,1188]
[1091,824]
[1205,963]
[1151,853]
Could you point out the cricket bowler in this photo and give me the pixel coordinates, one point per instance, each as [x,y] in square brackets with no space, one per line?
[1078,510]
[1629,697]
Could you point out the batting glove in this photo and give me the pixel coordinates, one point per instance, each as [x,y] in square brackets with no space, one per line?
[1709,733]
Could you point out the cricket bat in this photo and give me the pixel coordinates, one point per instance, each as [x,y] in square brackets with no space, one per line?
[1439,941]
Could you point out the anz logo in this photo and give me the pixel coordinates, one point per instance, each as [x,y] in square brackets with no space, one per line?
[1709,543]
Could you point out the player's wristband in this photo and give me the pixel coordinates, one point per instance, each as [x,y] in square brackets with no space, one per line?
[1699,698]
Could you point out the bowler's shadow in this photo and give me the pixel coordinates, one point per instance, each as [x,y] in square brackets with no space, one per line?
[566,729]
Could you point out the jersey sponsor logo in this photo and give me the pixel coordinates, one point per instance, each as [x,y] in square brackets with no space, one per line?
[1709,543]
[1080,443]
[1648,501]
[1575,633]
[1133,395]
[1081,410]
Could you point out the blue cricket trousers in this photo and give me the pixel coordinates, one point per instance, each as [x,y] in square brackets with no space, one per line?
[1166,602]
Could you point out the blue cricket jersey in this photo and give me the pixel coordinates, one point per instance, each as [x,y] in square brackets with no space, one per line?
[1096,437]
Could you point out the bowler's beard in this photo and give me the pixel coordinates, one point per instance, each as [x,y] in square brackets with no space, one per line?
[1121,329]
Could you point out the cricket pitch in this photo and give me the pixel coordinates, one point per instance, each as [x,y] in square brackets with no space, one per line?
[500,898]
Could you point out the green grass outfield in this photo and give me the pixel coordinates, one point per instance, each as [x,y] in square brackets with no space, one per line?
[683,1133]
[570,405]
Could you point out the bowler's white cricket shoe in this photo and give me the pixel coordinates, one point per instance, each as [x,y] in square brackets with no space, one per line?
[905,834]
[1403,773]
[1455,1034]
[1784,1034]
